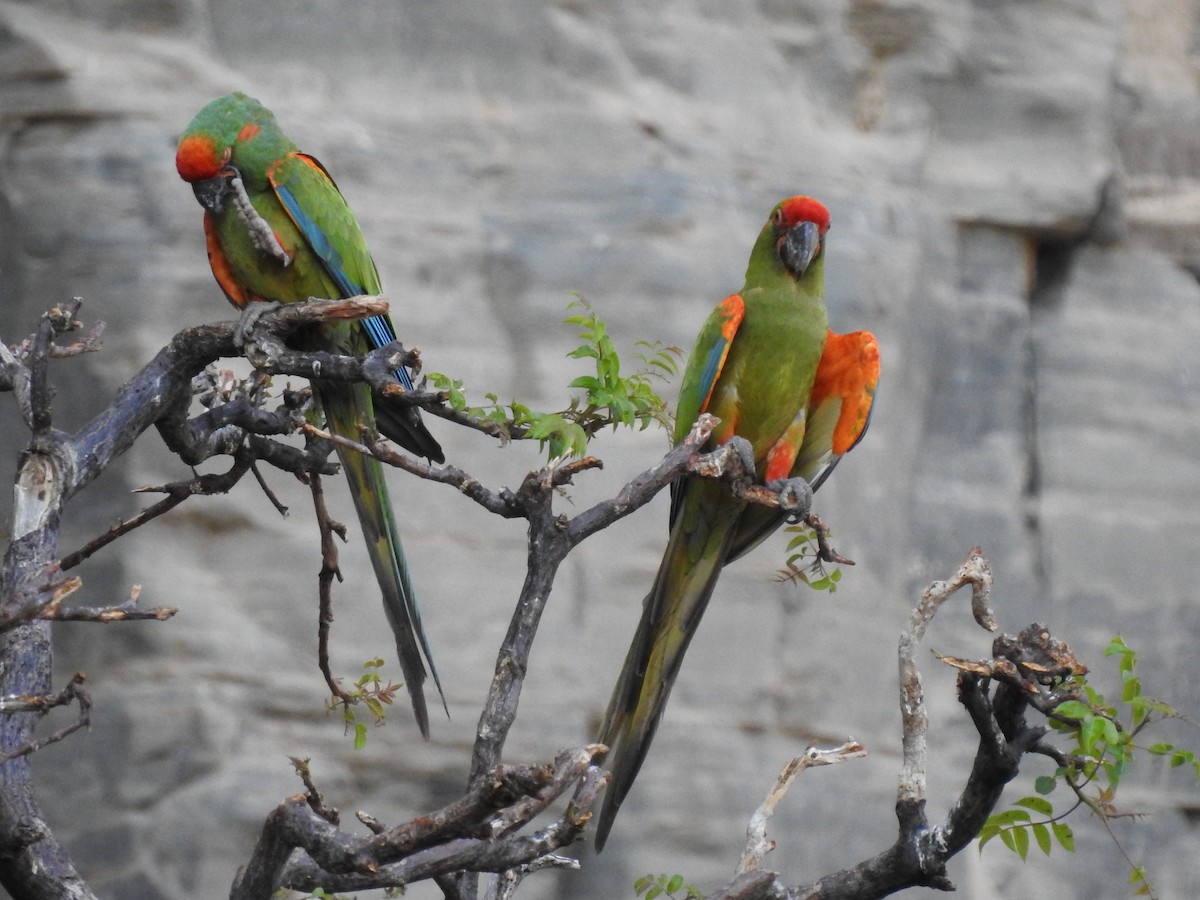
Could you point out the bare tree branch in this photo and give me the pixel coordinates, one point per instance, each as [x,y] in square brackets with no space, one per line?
[176,493]
[757,844]
[73,692]
[329,571]
[303,844]
[55,467]
[1024,670]
[974,571]
[471,834]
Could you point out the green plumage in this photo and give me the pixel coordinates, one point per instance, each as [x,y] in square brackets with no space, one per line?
[753,366]
[279,229]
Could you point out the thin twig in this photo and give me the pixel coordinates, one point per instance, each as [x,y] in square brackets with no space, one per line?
[825,552]
[176,492]
[975,571]
[149,514]
[88,343]
[266,489]
[757,843]
[499,502]
[330,570]
[315,801]
[74,691]
[122,612]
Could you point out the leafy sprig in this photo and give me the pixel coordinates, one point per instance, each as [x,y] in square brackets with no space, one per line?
[611,397]
[370,691]
[1105,747]
[650,887]
[804,564]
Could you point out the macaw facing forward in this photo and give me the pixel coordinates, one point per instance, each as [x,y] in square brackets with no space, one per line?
[278,229]
[766,364]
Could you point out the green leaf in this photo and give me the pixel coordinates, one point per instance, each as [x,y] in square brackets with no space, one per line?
[1006,836]
[1064,835]
[674,884]
[1045,784]
[360,735]
[1138,876]
[1109,731]
[1091,734]
[1009,817]
[1132,686]
[1073,709]
[1021,842]
[986,833]
[1115,646]
[1041,834]
[1037,804]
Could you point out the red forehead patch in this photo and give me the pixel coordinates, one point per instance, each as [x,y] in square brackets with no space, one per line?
[197,158]
[804,209]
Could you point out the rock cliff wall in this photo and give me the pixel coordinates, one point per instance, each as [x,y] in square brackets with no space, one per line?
[1015,189]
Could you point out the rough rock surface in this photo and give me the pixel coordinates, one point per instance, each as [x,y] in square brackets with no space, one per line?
[1016,197]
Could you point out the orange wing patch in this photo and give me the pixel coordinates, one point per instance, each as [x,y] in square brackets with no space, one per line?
[783,454]
[849,369]
[221,270]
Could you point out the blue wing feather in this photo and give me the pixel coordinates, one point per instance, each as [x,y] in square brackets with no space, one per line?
[319,242]
[712,369]
[378,328]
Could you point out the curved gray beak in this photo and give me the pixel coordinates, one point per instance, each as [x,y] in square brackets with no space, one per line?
[211,192]
[799,246]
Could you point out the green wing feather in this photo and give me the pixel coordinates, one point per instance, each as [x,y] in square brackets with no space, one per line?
[753,366]
[235,137]
[320,214]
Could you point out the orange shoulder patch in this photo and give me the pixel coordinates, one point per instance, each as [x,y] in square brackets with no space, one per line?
[733,310]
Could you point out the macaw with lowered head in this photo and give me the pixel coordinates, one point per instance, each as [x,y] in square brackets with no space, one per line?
[278,229]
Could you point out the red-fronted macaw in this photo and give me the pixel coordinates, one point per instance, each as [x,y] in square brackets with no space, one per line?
[278,229]
[766,364]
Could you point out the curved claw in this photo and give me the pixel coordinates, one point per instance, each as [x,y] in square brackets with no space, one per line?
[795,496]
[251,313]
[744,451]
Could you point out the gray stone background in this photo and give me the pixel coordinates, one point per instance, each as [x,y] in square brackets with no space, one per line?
[1016,206]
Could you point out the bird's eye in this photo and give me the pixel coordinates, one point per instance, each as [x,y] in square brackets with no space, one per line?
[777,217]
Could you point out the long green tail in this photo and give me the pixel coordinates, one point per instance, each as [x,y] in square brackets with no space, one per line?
[682,588]
[343,409]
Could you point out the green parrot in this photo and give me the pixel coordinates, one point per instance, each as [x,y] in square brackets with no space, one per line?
[766,364]
[278,229]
